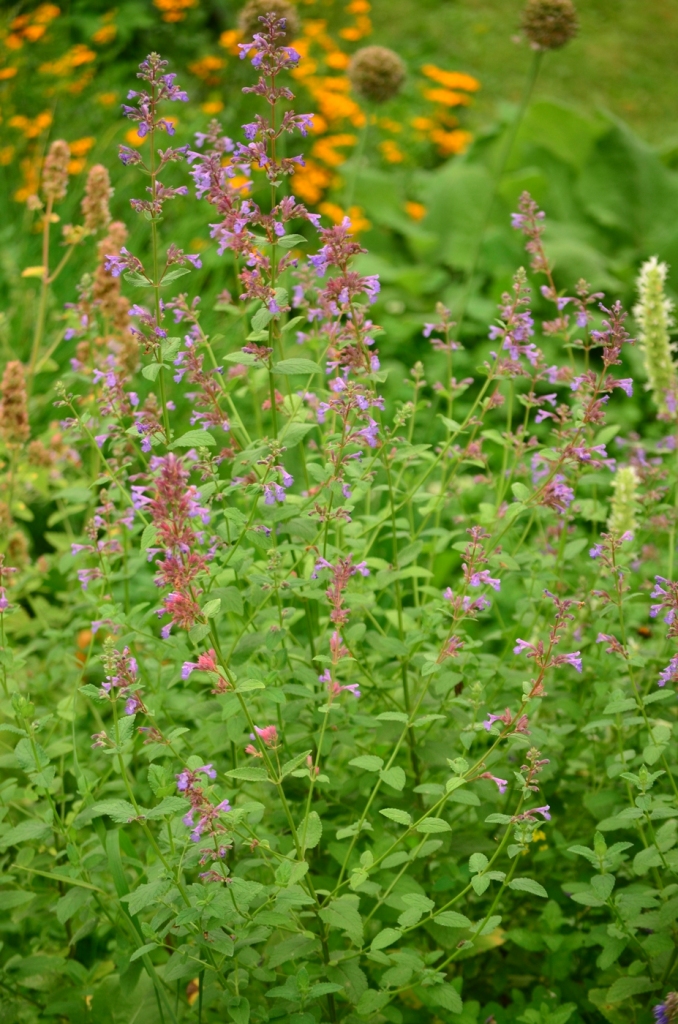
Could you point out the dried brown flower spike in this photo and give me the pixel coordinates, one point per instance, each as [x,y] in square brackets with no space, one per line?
[55,171]
[94,205]
[248,21]
[550,24]
[376,73]
[14,426]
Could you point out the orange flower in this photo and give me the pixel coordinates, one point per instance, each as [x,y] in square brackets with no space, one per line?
[33,32]
[174,10]
[133,139]
[45,13]
[31,178]
[417,211]
[105,34]
[106,99]
[358,7]
[76,166]
[212,107]
[324,149]
[80,147]
[230,39]
[390,126]
[338,61]
[205,68]
[354,213]
[451,79]
[422,124]
[7,73]
[362,28]
[74,58]
[391,151]
[31,129]
[6,155]
[14,42]
[446,97]
[456,141]
[309,182]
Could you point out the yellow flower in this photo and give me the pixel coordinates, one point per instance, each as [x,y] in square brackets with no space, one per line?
[14,42]
[212,107]
[456,141]
[451,79]
[31,178]
[417,211]
[80,147]
[106,99]
[391,151]
[362,28]
[6,155]
[241,182]
[358,7]
[76,166]
[6,73]
[34,32]
[446,97]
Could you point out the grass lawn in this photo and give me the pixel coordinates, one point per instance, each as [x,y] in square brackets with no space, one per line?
[624,59]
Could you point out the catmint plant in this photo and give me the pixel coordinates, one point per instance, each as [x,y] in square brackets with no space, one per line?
[350,701]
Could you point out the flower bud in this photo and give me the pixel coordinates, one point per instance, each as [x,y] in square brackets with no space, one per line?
[14,426]
[653,313]
[55,171]
[622,518]
[249,23]
[550,24]
[94,205]
[376,73]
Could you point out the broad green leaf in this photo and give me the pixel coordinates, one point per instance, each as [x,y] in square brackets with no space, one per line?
[249,774]
[195,439]
[430,825]
[368,762]
[292,367]
[528,885]
[395,814]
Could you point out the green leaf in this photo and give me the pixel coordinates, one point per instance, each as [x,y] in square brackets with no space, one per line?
[619,706]
[394,777]
[212,608]
[521,492]
[290,765]
[195,439]
[261,319]
[624,988]
[146,894]
[239,1009]
[142,950]
[392,716]
[477,862]
[249,774]
[395,814]
[314,831]
[431,825]
[295,433]
[172,275]
[528,885]
[386,937]
[289,241]
[447,996]
[168,806]
[148,536]
[290,367]
[451,919]
[69,905]
[151,371]
[11,898]
[368,762]
[24,832]
[371,1001]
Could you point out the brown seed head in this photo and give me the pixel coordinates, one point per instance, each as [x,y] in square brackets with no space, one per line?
[94,205]
[550,24]
[248,21]
[14,426]
[376,73]
[55,171]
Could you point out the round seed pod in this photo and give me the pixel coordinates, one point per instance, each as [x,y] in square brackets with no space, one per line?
[376,73]
[550,24]
[249,24]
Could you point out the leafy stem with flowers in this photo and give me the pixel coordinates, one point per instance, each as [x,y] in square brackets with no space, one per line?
[349,700]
